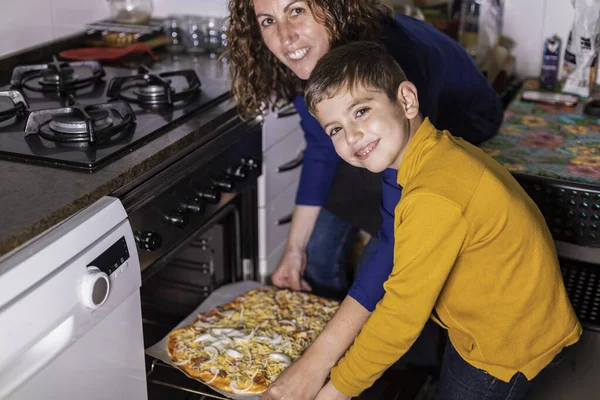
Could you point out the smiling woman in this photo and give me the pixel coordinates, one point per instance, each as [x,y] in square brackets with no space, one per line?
[296,34]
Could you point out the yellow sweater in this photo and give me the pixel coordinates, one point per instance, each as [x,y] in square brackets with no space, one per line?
[472,244]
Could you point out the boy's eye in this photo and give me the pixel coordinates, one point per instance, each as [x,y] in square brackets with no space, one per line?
[267,22]
[297,11]
[334,131]
[362,112]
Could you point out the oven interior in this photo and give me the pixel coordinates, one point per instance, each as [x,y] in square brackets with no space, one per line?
[209,259]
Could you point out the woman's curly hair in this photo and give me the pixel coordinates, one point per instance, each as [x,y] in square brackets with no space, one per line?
[258,77]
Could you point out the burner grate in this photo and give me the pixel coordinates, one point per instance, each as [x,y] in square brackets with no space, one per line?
[18,101]
[152,88]
[91,124]
[57,76]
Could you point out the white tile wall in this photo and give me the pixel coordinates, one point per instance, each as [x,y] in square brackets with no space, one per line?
[529,23]
[213,8]
[70,16]
[26,23]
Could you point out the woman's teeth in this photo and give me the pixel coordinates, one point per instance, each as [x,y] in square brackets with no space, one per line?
[298,54]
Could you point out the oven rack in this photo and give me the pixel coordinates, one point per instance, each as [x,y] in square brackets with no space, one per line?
[157,363]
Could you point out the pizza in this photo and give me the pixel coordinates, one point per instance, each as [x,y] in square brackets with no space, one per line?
[241,347]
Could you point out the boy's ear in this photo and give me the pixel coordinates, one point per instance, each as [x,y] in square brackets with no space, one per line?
[408,98]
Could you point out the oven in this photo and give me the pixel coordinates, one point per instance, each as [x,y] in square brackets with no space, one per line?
[195,224]
[190,220]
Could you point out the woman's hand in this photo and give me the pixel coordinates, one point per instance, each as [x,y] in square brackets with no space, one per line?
[300,381]
[290,271]
[329,392]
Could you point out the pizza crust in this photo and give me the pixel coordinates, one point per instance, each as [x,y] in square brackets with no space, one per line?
[254,335]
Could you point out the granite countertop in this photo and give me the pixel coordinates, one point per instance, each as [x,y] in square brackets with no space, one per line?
[34,198]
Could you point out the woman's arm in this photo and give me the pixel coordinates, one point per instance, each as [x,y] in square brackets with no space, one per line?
[291,268]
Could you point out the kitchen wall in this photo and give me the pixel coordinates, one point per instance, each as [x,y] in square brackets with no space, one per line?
[25,23]
[529,23]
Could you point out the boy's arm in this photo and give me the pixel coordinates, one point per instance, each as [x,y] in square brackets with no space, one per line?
[305,377]
[428,240]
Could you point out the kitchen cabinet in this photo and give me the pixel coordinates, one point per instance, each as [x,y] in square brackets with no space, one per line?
[283,146]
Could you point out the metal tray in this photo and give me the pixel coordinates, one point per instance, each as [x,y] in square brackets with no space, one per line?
[222,295]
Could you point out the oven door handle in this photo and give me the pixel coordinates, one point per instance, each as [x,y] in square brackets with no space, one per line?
[285,220]
[292,164]
[17,371]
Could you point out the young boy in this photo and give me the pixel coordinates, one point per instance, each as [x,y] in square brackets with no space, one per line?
[471,249]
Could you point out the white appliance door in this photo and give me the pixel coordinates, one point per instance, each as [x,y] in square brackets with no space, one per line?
[103,364]
[70,314]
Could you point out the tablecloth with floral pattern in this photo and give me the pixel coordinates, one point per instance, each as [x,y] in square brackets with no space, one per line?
[551,141]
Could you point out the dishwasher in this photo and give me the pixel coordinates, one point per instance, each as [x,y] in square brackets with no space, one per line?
[70,311]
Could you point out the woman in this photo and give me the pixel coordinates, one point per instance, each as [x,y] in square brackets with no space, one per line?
[273,46]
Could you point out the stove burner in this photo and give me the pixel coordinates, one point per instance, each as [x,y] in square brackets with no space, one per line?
[57,76]
[73,124]
[82,124]
[152,94]
[19,102]
[151,88]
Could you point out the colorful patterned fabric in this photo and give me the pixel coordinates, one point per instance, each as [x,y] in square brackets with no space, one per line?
[551,141]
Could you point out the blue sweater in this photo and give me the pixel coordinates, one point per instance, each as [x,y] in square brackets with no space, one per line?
[455,96]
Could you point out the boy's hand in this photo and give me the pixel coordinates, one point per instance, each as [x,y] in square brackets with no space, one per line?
[300,381]
[291,269]
[329,392]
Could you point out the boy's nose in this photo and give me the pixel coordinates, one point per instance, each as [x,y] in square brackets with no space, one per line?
[287,33]
[353,136]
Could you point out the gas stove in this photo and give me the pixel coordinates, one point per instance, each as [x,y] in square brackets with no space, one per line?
[81,115]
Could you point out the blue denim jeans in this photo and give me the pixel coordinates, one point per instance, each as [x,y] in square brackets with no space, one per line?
[327,256]
[461,381]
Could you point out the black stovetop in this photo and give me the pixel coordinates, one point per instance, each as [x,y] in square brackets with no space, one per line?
[120,123]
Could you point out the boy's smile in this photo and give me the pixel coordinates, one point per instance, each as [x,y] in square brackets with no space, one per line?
[364,152]
[368,129]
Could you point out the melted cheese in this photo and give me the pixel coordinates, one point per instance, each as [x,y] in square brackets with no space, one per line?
[254,315]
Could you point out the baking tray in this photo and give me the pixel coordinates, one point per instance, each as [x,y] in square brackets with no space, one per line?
[223,295]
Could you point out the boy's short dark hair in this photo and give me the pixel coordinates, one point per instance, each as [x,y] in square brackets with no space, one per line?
[362,62]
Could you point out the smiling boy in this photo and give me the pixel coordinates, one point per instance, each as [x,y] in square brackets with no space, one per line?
[471,249]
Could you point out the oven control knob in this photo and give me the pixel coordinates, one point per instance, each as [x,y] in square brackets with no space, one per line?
[193,205]
[224,184]
[177,218]
[237,174]
[211,196]
[94,288]
[147,240]
[249,163]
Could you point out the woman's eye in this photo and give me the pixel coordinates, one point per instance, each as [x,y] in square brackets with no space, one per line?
[334,131]
[267,22]
[297,11]
[362,112]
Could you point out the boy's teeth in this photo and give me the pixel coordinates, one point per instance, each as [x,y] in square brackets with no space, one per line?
[366,150]
[298,54]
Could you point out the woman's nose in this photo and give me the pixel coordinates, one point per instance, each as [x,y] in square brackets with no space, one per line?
[287,33]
